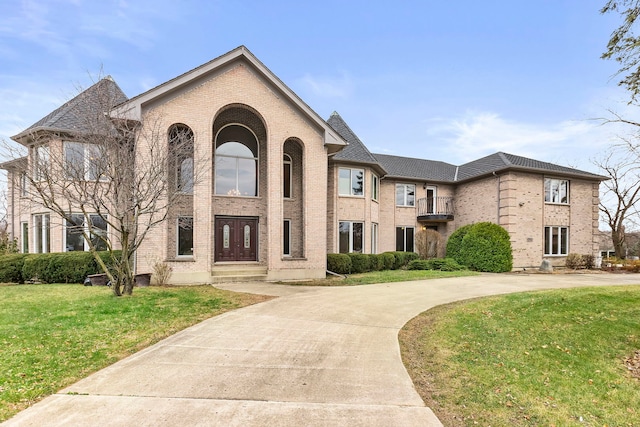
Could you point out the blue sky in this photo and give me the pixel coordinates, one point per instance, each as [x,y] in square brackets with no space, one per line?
[450,81]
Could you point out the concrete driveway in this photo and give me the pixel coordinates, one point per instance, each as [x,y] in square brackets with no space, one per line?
[315,356]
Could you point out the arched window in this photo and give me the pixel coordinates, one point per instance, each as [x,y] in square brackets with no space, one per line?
[236,163]
[181,157]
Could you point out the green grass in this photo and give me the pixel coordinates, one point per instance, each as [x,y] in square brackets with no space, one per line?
[385,276]
[54,335]
[530,359]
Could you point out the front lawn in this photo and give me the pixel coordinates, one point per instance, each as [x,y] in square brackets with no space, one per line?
[553,358]
[53,335]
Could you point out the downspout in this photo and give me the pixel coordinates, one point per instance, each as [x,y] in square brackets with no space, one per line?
[498,197]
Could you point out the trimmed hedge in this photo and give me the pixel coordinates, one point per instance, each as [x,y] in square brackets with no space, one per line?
[485,247]
[441,264]
[11,268]
[63,267]
[360,263]
[339,263]
[354,263]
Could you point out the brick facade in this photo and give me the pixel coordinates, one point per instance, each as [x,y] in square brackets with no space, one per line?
[237,90]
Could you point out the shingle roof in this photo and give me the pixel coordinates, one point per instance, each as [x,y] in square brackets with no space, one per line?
[71,116]
[437,171]
[356,151]
[421,169]
[501,161]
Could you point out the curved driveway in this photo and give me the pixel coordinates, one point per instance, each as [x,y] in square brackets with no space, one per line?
[314,356]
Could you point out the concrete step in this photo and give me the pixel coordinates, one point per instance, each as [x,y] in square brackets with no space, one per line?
[238,273]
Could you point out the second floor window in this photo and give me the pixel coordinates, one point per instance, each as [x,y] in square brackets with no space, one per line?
[41,163]
[350,182]
[181,158]
[375,182]
[405,195]
[82,161]
[556,190]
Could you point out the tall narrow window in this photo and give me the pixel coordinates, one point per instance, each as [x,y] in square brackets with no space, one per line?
[350,237]
[24,228]
[404,239]
[375,182]
[185,236]
[24,184]
[286,238]
[374,238]
[181,157]
[42,233]
[286,179]
[41,163]
[236,162]
[405,194]
[350,182]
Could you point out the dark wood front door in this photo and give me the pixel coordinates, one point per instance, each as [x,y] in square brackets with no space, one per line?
[236,239]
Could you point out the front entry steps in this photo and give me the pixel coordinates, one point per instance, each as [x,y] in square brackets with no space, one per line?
[238,272]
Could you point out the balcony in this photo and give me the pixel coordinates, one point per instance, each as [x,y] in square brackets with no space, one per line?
[435,209]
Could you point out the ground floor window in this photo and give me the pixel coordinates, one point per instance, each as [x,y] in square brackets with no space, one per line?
[24,238]
[185,236]
[374,238]
[404,239]
[556,240]
[351,237]
[286,238]
[77,226]
[42,233]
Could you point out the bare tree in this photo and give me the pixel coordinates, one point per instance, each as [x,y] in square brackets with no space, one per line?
[618,202]
[110,180]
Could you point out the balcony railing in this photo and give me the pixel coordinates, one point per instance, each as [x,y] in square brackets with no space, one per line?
[435,209]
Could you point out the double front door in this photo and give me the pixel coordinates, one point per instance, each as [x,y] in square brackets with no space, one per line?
[236,239]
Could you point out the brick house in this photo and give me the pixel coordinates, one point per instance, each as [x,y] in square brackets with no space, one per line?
[283,187]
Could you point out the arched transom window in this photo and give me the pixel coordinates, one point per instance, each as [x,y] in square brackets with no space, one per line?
[236,162]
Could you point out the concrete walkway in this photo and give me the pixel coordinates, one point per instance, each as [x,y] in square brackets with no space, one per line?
[315,356]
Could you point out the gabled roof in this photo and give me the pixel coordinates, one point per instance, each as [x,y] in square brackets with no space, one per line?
[132,109]
[71,117]
[500,161]
[418,169]
[356,151]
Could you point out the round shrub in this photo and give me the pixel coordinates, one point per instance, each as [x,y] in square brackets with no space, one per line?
[360,263]
[339,263]
[574,261]
[486,247]
[388,260]
[455,242]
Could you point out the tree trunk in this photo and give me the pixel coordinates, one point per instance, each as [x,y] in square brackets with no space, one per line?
[617,237]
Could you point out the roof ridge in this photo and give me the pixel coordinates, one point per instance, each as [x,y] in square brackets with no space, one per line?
[503,157]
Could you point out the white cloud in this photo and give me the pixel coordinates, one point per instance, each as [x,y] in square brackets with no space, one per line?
[477,134]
